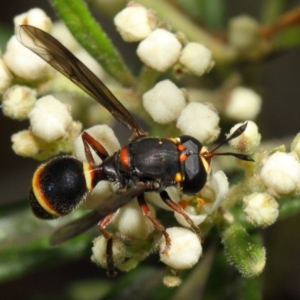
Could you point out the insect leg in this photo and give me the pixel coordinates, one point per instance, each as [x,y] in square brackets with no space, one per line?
[89,141]
[110,259]
[158,226]
[166,198]
[109,246]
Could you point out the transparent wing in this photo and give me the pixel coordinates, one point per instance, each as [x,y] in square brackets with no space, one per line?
[80,225]
[60,58]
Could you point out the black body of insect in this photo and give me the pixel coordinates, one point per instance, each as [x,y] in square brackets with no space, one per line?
[145,164]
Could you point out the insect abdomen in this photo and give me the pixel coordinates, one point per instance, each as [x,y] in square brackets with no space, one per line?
[57,187]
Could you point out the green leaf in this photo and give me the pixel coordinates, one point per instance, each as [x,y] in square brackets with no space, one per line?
[91,36]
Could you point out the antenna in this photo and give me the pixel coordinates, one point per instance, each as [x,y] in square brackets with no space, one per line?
[209,154]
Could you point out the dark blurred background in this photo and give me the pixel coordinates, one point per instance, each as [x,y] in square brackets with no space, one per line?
[280,81]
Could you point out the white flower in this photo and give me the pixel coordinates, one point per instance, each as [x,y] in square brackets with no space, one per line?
[5,76]
[18,101]
[199,121]
[192,214]
[164,102]
[135,23]
[104,135]
[248,141]
[243,32]
[23,62]
[49,119]
[281,173]
[211,195]
[130,221]
[185,249]
[196,58]
[160,50]
[261,209]
[35,17]
[243,104]
[219,185]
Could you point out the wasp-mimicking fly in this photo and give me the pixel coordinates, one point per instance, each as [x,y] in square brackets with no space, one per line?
[145,164]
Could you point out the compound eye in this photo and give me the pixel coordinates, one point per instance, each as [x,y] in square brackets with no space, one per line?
[195,175]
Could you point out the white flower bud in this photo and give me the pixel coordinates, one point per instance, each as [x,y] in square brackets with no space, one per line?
[160,50]
[130,221]
[196,58]
[99,256]
[243,104]
[35,17]
[104,135]
[5,76]
[243,32]
[199,121]
[261,209]
[248,141]
[281,173]
[185,249]
[18,101]
[164,102]
[49,119]
[23,62]
[135,23]
[25,143]
[172,281]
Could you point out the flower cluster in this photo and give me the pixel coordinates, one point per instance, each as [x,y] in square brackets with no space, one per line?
[159,48]
[53,130]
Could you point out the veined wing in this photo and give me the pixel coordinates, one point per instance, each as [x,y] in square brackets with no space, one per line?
[82,224]
[60,58]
